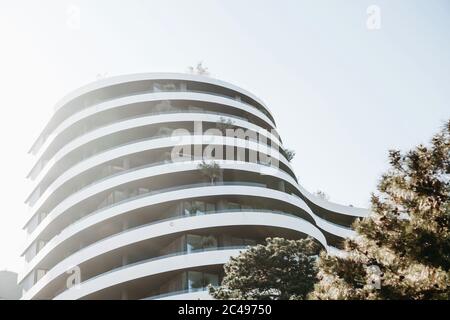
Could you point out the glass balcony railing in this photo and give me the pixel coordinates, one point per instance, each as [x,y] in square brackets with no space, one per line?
[135,93]
[75,191]
[172,110]
[171,217]
[181,216]
[148,91]
[180,187]
[93,154]
[175,254]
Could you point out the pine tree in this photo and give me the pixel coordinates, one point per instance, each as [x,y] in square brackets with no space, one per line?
[402,251]
[280,270]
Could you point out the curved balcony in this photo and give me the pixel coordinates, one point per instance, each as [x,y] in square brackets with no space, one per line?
[127,101]
[157,169]
[178,225]
[134,147]
[101,217]
[152,96]
[122,179]
[254,132]
[148,268]
[157,142]
[176,113]
[154,169]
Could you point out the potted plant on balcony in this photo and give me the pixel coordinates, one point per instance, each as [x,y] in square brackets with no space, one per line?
[211,170]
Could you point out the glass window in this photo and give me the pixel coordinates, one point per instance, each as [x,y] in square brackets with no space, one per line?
[225,240]
[187,208]
[195,280]
[184,281]
[194,208]
[143,190]
[249,242]
[193,242]
[233,206]
[157,87]
[175,246]
[198,280]
[177,283]
[237,242]
[198,208]
[210,279]
[209,242]
[169,87]
[210,207]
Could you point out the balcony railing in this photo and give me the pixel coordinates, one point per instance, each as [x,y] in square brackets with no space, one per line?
[155,137]
[172,110]
[173,216]
[98,101]
[158,163]
[175,254]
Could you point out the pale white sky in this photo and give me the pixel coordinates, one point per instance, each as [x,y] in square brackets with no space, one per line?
[341,95]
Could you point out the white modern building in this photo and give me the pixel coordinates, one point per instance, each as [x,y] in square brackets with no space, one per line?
[121,210]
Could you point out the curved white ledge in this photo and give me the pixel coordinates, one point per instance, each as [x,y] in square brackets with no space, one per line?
[123,102]
[334,207]
[107,82]
[174,116]
[174,226]
[151,144]
[146,269]
[172,141]
[169,168]
[138,174]
[147,121]
[153,97]
[133,204]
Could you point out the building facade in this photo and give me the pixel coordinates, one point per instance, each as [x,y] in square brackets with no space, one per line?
[9,289]
[146,184]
